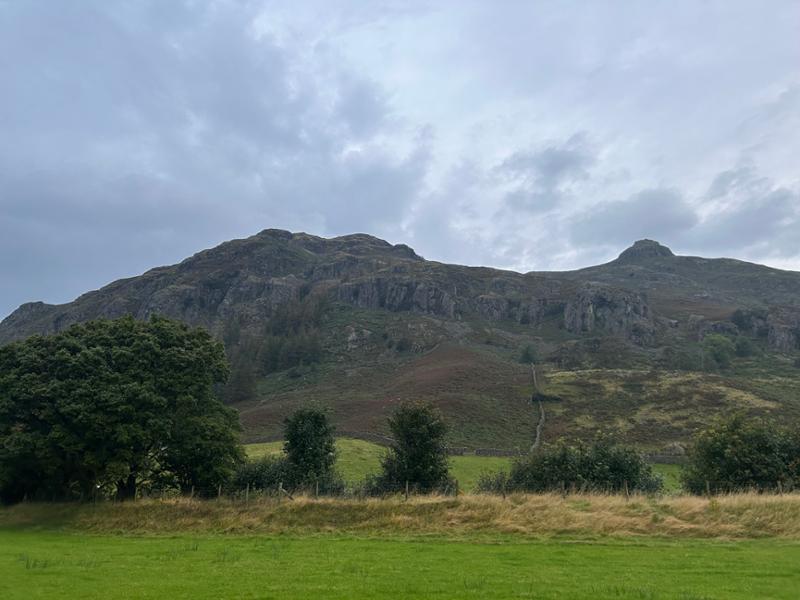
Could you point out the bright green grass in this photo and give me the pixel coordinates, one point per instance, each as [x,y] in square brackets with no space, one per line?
[62,565]
[358,458]
[671,475]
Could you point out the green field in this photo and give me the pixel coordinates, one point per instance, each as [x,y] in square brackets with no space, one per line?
[64,565]
[358,458]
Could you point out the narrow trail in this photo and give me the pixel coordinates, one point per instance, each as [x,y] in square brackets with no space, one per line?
[540,425]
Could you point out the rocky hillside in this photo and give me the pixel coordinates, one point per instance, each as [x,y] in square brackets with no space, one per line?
[359,324]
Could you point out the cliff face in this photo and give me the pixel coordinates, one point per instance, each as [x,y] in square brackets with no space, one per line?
[645,292]
[611,311]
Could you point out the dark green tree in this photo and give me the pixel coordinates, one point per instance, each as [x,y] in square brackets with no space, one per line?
[309,445]
[528,355]
[419,453]
[740,453]
[109,405]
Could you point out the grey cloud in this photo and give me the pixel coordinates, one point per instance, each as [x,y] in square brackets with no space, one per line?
[137,133]
[660,214]
[539,177]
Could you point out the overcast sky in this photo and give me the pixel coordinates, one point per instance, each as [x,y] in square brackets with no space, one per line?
[524,135]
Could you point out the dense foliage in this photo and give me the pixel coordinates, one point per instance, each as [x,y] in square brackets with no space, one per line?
[599,466]
[418,456]
[310,445]
[742,453]
[109,406]
[307,462]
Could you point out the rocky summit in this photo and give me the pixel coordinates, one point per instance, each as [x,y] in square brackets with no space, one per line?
[360,324]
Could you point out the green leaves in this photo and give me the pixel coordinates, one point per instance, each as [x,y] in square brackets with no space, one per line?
[107,401]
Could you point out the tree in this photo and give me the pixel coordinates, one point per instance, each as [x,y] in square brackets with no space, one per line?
[528,355]
[741,453]
[310,445]
[419,453]
[719,349]
[109,405]
[744,346]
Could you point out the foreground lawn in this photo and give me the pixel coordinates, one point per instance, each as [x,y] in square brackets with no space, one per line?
[359,458]
[71,565]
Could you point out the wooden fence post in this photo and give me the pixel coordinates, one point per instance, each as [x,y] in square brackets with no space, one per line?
[247,494]
[406,489]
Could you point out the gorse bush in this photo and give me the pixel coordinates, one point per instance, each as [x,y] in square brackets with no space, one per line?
[742,453]
[598,466]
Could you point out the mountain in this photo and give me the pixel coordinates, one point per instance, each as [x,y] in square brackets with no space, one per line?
[360,324]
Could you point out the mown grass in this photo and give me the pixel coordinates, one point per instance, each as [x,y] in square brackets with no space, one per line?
[359,458]
[64,565]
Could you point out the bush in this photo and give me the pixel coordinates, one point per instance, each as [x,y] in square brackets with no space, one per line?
[742,453]
[600,466]
[262,474]
[744,346]
[265,474]
[419,454]
[719,351]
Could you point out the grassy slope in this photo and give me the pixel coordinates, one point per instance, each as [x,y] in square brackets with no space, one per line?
[359,458]
[484,393]
[62,565]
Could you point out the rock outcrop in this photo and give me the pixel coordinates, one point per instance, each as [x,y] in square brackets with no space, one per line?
[599,309]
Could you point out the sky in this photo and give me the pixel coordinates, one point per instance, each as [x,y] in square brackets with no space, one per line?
[526,135]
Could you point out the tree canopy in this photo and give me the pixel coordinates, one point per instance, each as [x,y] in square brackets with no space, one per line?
[110,405]
[310,446]
[419,454]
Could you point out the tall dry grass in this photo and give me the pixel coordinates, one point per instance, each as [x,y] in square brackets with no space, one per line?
[543,515]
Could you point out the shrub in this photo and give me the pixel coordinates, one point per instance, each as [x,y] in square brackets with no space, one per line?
[744,346]
[599,466]
[741,453]
[262,474]
[719,351]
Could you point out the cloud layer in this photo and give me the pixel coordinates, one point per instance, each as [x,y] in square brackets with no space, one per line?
[532,136]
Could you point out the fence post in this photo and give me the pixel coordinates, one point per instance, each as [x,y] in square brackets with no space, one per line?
[247,494]
[708,488]
[780,489]
[406,489]
[191,494]
[219,491]
[316,489]
[627,493]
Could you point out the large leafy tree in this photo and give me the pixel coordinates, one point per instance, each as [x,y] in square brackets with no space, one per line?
[110,405]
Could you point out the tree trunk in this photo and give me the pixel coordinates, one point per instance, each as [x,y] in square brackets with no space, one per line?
[126,488]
